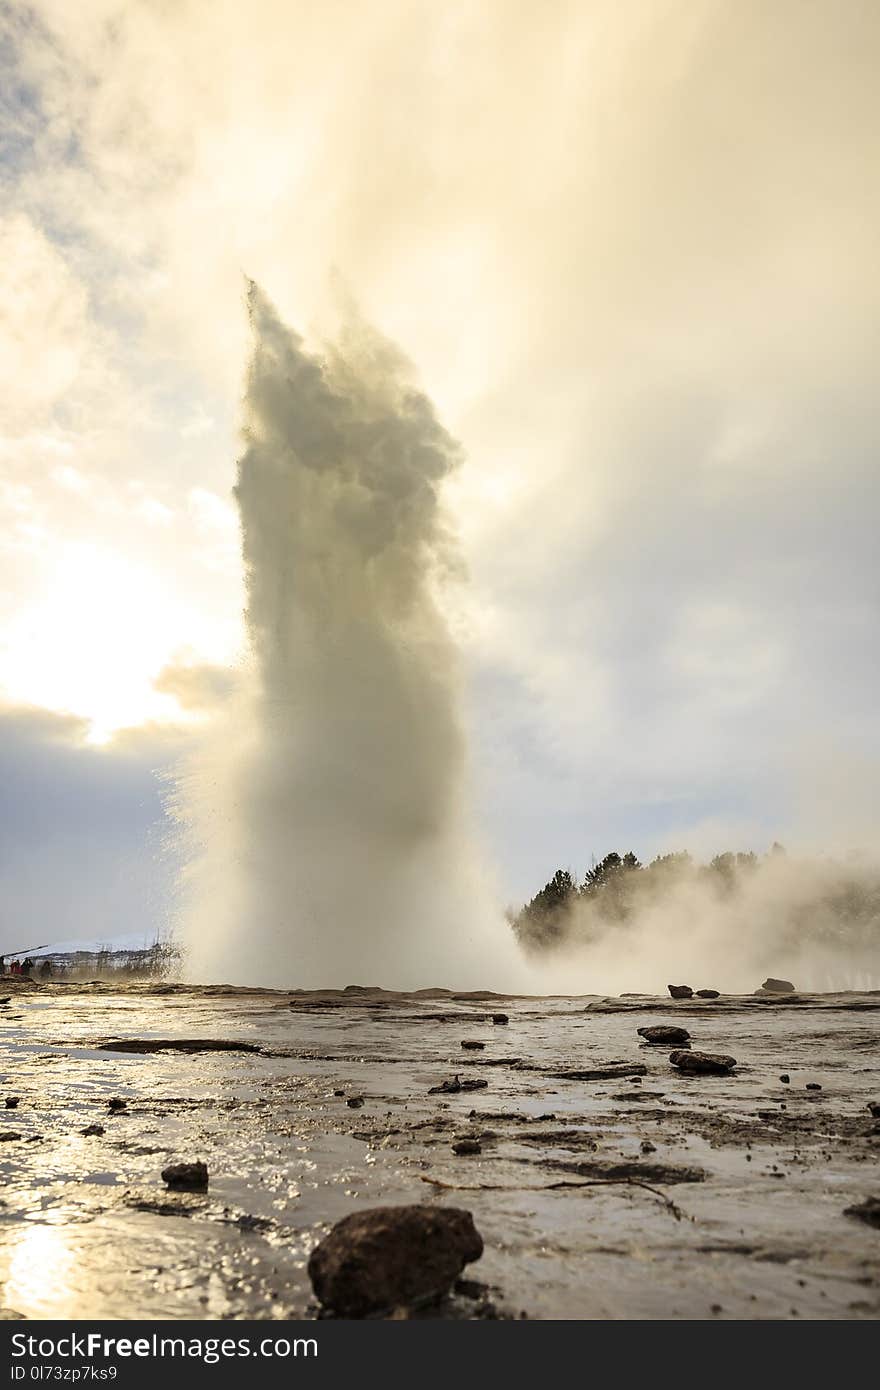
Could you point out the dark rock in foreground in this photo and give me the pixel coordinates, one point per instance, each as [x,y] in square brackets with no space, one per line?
[777,986]
[12,1102]
[116,1104]
[664,1034]
[717,1063]
[467,1146]
[192,1177]
[680,991]
[92,1129]
[392,1257]
[708,994]
[472,1045]
[874,1107]
[867,1211]
[500,1018]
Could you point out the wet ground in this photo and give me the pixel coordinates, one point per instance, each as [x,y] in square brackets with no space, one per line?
[643,1193]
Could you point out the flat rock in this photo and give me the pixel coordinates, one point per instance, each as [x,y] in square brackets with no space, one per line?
[717,1063]
[663,1034]
[680,991]
[455,1084]
[708,994]
[176,1045]
[472,1045]
[777,986]
[500,1018]
[616,1071]
[391,1257]
[192,1177]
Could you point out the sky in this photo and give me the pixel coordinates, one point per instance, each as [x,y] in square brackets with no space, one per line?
[630,251]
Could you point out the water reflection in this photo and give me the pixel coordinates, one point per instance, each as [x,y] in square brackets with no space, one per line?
[40,1274]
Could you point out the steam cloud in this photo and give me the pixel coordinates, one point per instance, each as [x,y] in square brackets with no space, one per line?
[814,920]
[327,816]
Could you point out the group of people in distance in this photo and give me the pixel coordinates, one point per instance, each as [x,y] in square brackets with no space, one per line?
[25,967]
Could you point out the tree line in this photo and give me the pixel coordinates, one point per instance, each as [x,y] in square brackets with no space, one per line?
[614,889]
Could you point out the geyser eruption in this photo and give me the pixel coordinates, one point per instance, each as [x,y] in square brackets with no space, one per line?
[331,844]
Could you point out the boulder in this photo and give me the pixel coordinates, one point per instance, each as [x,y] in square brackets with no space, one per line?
[12,1102]
[500,1018]
[92,1129]
[192,1177]
[707,994]
[777,986]
[680,991]
[663,1034]
[703,1062]
[874,1107]
[471,1045]
[116,1105]
[392,1257]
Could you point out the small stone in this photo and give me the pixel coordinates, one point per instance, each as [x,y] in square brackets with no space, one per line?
[707,994]
[812,1086]
[12,1102]
[867,1211]
[647,1147]
[467,1146]
[664,1035]
[680,991]
[717,1063]
[778,986]
[92,1129]
[7,1136]
[115,1104]
[874,1107]
[355,1102]
[500,1018]
[392,1257]
[471,1045]
[785,1079]
[187,1176]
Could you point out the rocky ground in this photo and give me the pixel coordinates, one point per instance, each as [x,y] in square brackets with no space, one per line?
[605,1181]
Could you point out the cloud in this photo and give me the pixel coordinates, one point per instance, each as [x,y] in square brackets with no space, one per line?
[196,687]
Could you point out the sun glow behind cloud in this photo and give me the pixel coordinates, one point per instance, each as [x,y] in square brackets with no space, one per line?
[94,640]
